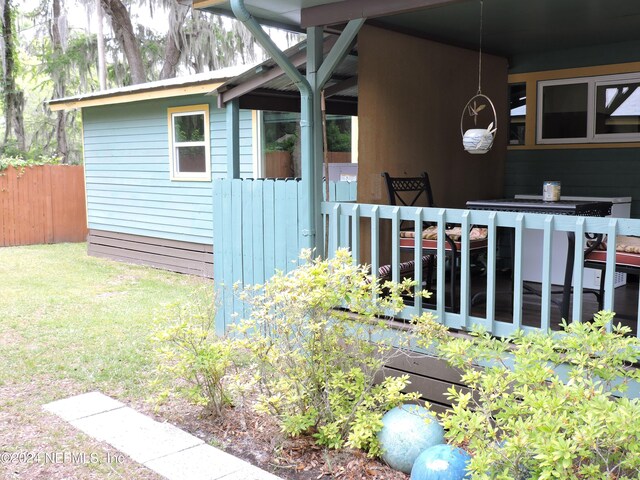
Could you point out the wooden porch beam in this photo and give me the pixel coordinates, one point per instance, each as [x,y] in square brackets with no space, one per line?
[341,12]
[339,51]
[340,86]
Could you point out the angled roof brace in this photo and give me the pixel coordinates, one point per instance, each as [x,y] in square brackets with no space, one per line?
[309,109]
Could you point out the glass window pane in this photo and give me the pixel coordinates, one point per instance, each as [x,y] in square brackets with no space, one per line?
[518,111]
[189,128]
[618,108]
[281,130]
[338,133]
[564,111]
[191,159]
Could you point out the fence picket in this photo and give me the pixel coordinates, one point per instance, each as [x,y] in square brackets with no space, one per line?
[268,198]
[545,314]
[258,231]
[218,257]
[292,252]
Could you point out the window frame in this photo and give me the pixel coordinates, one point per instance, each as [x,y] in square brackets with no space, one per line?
[176,174]
[593,82]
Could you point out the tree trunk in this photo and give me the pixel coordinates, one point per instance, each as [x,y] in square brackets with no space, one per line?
[13,96]
[174,41]
[102,70]
[123,29]
[59,90]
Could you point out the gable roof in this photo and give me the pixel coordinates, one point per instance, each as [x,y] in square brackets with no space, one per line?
[203,83]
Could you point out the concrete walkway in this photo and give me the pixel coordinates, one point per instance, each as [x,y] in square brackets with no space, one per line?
[161,447]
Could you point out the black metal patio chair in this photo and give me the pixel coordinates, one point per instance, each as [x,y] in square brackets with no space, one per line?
[416,191]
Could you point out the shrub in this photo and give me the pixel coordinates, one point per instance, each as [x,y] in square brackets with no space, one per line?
[190,352]
[543,406]
[318,338]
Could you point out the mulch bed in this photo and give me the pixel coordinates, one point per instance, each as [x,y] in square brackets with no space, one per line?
[257,439]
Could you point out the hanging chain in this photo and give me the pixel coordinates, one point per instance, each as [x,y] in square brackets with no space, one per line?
[480,52]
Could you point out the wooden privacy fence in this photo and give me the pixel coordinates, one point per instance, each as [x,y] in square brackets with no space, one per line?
[256,231]
[42,204]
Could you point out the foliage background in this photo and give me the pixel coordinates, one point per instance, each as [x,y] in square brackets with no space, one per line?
[56,55]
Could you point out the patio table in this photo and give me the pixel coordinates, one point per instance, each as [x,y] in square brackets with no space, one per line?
[585,208]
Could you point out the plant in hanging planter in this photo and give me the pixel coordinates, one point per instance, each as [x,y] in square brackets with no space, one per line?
[474,110]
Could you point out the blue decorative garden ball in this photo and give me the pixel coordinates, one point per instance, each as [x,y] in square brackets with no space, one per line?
[408,430]
[441,462]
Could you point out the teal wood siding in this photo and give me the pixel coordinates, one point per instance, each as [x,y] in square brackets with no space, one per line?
[128,176]
[597,172]
[601,54]
[219,143]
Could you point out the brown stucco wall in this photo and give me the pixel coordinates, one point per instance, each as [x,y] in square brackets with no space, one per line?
[411,95]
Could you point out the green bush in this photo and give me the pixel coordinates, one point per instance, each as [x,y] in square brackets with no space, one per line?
[543,406]
[192,359]
[20,161]
[318,338]
[285,144]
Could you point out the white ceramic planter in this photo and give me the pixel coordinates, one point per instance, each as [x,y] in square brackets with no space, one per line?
[478,140]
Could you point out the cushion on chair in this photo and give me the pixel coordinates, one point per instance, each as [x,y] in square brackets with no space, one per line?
[627,251]
[477,238]
[406,268]
[624,243]
[455,233]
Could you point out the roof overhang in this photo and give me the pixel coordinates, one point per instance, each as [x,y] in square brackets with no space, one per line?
[203,83]
[267,87]
[300,14]
[510,27]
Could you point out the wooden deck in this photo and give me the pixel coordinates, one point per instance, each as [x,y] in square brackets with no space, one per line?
[626,302]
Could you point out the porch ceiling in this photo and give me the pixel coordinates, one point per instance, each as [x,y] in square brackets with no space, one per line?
[511,27]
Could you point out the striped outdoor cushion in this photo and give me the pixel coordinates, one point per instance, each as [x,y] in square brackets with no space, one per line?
[455,233]
[406,268]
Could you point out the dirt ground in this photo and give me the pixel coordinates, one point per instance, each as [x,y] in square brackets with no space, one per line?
[37,445]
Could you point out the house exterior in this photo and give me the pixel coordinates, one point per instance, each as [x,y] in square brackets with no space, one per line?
[152,151]
[148,201]
[563,77]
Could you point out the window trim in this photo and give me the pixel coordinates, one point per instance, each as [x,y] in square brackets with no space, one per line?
[175,174]
[592,83]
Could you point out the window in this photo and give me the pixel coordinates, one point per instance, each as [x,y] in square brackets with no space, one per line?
[189,150]
[590,109]
[618,108]
[281,132]
[517,113]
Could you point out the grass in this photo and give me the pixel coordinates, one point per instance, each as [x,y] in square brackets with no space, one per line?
[70,324]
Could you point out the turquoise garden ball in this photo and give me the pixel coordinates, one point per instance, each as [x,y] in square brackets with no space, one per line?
[441,462]
[407,431]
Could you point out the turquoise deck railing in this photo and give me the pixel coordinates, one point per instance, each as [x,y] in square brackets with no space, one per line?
[345,230]
[256,232]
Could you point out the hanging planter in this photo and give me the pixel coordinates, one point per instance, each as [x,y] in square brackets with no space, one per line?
[478,140]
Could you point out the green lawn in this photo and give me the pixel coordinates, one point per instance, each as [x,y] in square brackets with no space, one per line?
[69,324]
